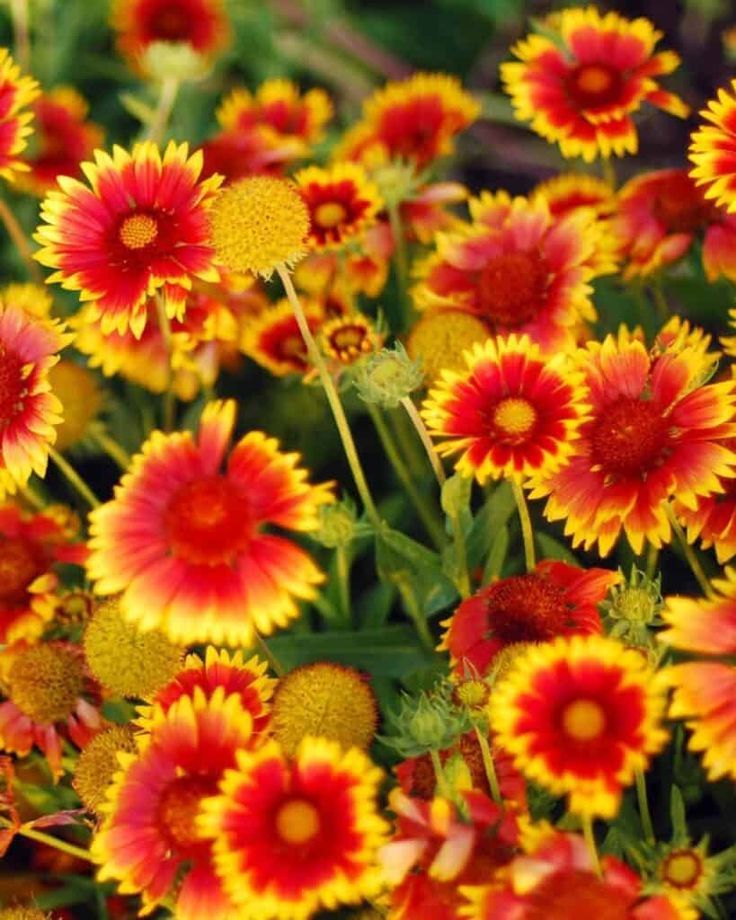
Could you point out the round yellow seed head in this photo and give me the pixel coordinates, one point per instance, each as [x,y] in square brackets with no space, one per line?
[80,397]
[98,762]
[327,700]
[127,661]
[44,681]
[258,224]
[439,339]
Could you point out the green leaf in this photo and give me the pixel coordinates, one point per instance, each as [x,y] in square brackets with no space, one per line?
[677,815]
[491,518]
[496,554]
[550,548]
[137,108]
[406,563]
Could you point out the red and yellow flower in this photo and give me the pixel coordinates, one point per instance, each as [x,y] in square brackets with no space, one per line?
[362,269]
[29,348]
[18,94]
[341,200]
[659,216]
[713,519]
[274,341]
[31,545]
[555,599]
[567,192]
[63,139]
[555,879]
[182,538]
[512,413]
[580,715]
[415,120]
[293,836]
[713,150]
[140,229]
[580,80]
[50,697]
[203,24]
[149,838]
[346,339]
[654,432]
[519,269]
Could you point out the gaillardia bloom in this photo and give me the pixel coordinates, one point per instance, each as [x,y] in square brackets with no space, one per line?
[580,81]
[659,216]
[293,836]
[149,837]
[580,715]
[654,432]
[511,413]
[566,192]
[713,150]
[415,120]
[202,24]
[341,200]
[31,545]
[518,269]
[182,538]
[555,599]
[29,411]
[274,341]
[17,94]
[140,229]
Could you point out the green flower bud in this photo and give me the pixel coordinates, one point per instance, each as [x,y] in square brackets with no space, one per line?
[397,182]
[336,525]
[174,61]
[387,377]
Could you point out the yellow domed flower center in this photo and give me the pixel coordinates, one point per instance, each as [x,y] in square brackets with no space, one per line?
[584,720]
[179,806]
[472,693]
[682,868]
[137,231]
[45,682]
[297,821]
[515,416]
[329,214]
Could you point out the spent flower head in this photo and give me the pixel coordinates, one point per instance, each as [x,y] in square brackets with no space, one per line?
[428,722]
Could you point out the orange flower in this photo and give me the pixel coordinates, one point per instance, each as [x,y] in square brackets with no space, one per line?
[654,432]
[518,269]
[511,413]
[18,93]
[713,150]
[182,539]
[292,836]
[341,200]
[580,80]
[63,140]
[713,518]
[140,229]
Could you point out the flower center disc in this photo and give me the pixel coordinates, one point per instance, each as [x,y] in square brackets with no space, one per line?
[526,608]
[511,288]
[680,206]
[137,231]
[45,682]
[682,869]
[179,806]
[12,387]
[297,821]
[20,563]
[515,417]
[576,893]
[584,720]
[170,23]
[630,438]
[209,521]
[594,85]
[329,214]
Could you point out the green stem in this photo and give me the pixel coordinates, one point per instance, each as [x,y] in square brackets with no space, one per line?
[19,14]
[166,100]
[416,420]
[644,813]
[32,834]
[401,260]
[431,523]
[489,766]
[609,171]
[315,356]
[20,241]
[342,562]
[589,836]
[461,557]
[276,666]
[652,560]
[74,479]
[439,773]
[32,497]
[111,447]
[527,534]
[169,397]
[415,612]
[690,555]
[660,301]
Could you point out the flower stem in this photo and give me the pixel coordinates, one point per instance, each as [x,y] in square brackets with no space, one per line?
[169,402]
[414,610]
[431,523]
[652,560]
[111,447]
[489,766]
[400,258]
[166,100]
[609,171]
[315,356]
[32,834]
[278,669]
[416,420]
[342,563]
[690,555]
[644,813]
[439,774]
[32,497]
[19,14]
[660,301]
[527,534]
[20,241]
[74,479]
[587,823]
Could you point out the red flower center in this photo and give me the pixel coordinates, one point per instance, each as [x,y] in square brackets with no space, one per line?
[297,822]
[12,386]
[170,23]
[21,562]
[526,608]
[583,720]
[591,86]
[138,231]
[682,869]
[630,438]
[178,809]
[576,893]
[209,521]
[680,206]
[511,288]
